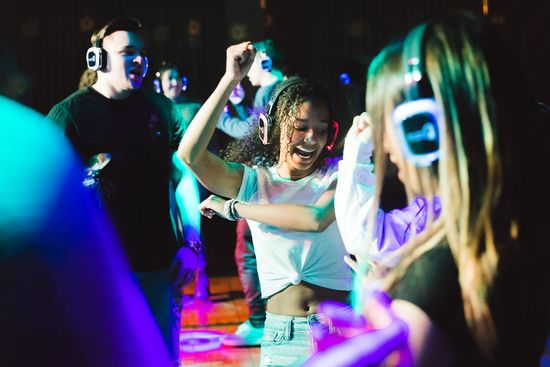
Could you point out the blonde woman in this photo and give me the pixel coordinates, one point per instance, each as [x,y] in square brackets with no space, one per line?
[449,108]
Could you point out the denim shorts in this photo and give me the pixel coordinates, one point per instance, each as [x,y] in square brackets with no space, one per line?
[287,340]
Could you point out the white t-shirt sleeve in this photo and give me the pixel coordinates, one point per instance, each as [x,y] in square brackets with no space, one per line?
[354,195]
[249,186]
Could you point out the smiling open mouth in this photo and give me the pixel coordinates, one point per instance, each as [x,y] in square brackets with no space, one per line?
[304,153]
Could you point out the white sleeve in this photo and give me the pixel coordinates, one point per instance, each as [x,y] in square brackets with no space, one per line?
[354,199]
[249,186]
[354,195]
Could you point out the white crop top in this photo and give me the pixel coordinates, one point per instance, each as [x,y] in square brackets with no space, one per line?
[288,257]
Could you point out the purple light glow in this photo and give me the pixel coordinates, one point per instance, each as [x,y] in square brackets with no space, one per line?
[199,341]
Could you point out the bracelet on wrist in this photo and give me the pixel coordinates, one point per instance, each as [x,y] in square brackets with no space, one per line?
[233,211]
[229,211]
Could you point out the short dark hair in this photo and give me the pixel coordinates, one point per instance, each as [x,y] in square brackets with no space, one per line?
[124,23]
[167,65]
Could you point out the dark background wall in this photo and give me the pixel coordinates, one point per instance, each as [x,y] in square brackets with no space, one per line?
[42,45]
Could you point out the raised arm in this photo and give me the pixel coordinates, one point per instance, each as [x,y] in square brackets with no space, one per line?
[354,199]
[218,176]
[355,188]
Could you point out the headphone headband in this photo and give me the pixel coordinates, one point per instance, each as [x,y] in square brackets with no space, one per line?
[413,61]
[268,119]
[419,117]
[265,120]
[278,91]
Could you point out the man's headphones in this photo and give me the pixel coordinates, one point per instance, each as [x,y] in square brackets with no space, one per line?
[96,56]
[157,84]
[267,120]
[419,118]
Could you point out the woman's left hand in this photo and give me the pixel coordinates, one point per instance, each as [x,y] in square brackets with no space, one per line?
[361,128]
[213,205]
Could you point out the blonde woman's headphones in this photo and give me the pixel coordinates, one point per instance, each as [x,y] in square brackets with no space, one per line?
[417,120]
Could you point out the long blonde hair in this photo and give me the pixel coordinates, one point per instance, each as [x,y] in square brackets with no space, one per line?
[474,177]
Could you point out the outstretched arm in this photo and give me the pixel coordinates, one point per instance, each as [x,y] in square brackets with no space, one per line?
[292,217]
[220,177]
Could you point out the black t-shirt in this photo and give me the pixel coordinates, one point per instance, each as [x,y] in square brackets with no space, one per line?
[140,132]
[431,283]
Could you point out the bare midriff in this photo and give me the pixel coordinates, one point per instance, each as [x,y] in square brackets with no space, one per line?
[302,299]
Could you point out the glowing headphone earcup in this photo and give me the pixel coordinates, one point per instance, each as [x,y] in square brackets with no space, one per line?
[264,122]
[157,86]
[331,139]
[417,126]
[96,58]
[266,62]
[184,83]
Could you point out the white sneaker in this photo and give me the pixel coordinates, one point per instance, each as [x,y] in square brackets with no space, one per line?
[245,336]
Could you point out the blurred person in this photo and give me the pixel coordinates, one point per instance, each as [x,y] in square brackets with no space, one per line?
[172,83]
[472,287]
[68,298]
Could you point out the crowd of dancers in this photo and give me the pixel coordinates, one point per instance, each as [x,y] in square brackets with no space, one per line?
[456,278]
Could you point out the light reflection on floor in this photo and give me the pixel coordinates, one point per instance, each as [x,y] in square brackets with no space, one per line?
[203,323]
[200,341]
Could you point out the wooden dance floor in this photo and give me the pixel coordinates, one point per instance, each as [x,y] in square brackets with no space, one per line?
[203,323]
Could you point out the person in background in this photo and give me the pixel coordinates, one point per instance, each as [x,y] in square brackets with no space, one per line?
[139,131]
[68,297]
[171,82]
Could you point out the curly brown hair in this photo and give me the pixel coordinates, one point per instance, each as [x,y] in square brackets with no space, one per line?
[292,93]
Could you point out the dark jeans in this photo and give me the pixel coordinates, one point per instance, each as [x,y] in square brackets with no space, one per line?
[158,289]
[248,272]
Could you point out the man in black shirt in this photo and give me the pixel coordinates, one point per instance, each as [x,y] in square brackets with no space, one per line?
[139,131]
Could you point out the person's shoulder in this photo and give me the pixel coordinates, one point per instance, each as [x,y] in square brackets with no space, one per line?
[431,282]
[76,104]
[75,98]
[190,102]
[329,165]
[264,92]
[261,172]
[153,96]
[256,168]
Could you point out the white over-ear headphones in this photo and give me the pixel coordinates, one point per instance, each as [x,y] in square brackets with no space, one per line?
[419,118]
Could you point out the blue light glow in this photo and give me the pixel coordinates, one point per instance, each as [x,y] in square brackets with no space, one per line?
[345,78]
